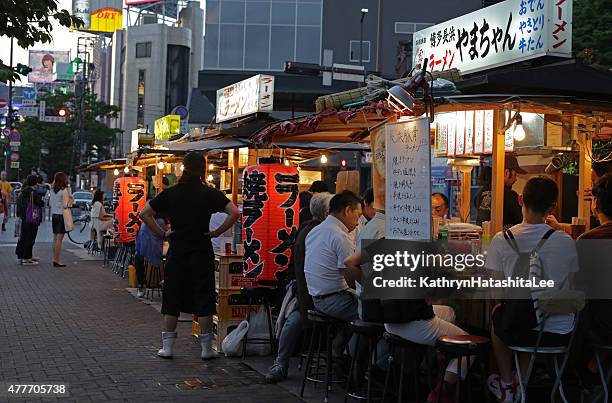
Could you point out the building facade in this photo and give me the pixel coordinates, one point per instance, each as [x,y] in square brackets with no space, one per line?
[155,65]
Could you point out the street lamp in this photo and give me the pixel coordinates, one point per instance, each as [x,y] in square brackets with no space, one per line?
[364,11]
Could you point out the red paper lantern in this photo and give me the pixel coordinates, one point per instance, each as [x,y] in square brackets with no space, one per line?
[129,197]
[270,219]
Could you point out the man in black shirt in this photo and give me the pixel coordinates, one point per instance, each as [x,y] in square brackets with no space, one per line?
[189,284]
[513,213]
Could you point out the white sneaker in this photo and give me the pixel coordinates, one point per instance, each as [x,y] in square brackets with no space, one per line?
[503,393]
[140,293]
[28,262]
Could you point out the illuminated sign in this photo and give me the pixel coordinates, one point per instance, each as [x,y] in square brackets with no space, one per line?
[167,127]
[255,94]
[504,33]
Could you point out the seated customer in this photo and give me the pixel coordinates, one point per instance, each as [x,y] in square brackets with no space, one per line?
[327,247]
[596,319]
[292,326]
[559,259]
[149,247]
[439,205]
[424,323]
[100,221]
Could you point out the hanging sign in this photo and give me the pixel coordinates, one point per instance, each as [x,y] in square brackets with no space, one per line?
[504,33]
[270,219]
[255,94]
[469,132]
[167,127]
[408,185]
[129,198]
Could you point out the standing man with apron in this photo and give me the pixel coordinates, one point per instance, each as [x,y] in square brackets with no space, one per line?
[189,284]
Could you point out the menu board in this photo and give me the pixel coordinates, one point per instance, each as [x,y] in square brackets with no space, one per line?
[469,132]
[408,185]
[478,131]
[459,132]
[442,134]
[450,137]
[488,131]
[509,135]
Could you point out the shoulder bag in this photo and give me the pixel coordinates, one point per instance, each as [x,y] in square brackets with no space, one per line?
[68,223]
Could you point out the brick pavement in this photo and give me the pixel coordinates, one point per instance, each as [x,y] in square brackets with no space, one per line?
[78,325]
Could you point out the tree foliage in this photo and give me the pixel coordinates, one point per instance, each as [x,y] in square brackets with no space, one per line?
[592,31]
[30,22]
[60,139]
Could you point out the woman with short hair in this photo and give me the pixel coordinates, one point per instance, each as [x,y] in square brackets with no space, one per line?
[60,199]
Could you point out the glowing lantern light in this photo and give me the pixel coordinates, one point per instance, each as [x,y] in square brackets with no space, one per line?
[126,169]
[324,159]
[270,219]
[129,198]
[116,172]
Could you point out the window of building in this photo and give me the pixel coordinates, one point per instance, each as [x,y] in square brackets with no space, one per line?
[354,50]
[140,122]
[261,34]
[143,49]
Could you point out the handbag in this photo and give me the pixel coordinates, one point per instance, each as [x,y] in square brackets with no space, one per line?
[33,213]
[68,222]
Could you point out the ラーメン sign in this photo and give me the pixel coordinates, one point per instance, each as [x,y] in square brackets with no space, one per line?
[255,94]
[167,127]
[504,33]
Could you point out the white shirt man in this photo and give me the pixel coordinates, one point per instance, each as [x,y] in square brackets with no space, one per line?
[327,247]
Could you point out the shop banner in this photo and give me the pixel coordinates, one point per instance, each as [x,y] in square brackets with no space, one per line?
[99,15]
[504,33]
[255,94]
[408,185]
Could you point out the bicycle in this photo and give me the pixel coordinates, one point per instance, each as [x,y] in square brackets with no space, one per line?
[78,235]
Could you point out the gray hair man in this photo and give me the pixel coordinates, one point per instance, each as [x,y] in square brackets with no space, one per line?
[292,326]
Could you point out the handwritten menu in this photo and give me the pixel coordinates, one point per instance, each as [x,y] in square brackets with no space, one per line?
[478,131]
[509,135]
[451,123]
[469,132]
[408,185]
[488,131]
[442,134]
[459,132]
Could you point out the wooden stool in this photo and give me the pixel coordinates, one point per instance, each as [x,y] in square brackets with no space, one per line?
[405,349]
[371,332]
[322,326]
[459,347]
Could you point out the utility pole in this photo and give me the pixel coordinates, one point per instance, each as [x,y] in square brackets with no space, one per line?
[9,116]
[364,11]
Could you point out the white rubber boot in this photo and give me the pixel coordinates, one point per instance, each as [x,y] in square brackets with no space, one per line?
[168,339]
[206,340]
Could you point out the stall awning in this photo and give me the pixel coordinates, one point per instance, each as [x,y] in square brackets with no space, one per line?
[104,165]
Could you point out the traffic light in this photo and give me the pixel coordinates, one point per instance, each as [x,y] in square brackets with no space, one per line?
[23,69]
[62,112]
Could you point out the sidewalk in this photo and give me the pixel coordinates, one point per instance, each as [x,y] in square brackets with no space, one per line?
[80,327]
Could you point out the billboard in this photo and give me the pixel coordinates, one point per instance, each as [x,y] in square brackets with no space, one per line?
[99,15]
[501,34]
[167,127]
[43,64]
[255,94]
[168,8]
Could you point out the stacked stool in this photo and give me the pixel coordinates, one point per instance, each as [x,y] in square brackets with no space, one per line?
[371,332]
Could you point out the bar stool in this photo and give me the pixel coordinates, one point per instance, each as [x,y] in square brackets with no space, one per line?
[371,332]
[406,350]
[460,347]
[605,378]
[322,326]
[153,278]
[260,296]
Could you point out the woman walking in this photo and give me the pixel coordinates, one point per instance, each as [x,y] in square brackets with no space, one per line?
[60,200]
[29,209]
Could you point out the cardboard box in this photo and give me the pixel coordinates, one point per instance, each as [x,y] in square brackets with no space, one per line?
[231,305]
[229,275]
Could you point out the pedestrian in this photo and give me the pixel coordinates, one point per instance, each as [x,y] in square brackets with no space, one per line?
[60,200]
[5,189]
[29,209]
[189,283]
[4,209]
[512,209]
[482,200]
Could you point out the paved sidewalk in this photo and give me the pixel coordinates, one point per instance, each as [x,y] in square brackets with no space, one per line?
[80,327]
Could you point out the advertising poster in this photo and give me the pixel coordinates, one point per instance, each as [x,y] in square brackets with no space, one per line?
[43,64]
[99,15]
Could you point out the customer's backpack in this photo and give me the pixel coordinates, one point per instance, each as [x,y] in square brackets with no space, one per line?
[521,309]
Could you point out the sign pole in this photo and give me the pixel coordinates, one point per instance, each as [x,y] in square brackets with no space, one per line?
[9,116]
